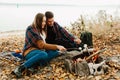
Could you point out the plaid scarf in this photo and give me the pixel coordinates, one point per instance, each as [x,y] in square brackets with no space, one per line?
[32,36]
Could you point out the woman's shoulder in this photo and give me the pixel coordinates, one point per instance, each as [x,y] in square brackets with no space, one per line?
[30,27]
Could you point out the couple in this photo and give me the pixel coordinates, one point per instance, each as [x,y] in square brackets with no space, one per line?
[44,39]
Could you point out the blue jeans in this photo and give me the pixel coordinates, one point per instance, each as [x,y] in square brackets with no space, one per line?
[39,57]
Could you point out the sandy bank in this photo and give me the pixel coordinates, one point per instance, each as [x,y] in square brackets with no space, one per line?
[12,33]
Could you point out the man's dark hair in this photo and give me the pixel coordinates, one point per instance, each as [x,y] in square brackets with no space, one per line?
[49,14]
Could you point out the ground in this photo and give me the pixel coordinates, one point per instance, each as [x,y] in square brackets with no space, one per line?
[109,39]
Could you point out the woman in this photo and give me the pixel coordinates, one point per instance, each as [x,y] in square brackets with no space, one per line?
[36,50]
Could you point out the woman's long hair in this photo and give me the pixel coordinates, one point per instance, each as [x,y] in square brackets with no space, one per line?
[37,23]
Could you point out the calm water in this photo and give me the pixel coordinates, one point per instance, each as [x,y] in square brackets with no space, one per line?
[19,17]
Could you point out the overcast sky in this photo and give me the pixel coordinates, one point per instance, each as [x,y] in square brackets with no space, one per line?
[23,11]
[67,2]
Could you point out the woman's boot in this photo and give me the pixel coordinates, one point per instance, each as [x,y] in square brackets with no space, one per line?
[18,71]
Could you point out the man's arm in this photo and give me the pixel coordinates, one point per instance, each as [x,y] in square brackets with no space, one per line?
[66,34]
[69,36]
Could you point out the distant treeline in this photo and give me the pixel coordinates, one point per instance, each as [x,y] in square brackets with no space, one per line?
[48,4]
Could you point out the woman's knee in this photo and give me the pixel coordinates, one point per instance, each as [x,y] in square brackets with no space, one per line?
[37,53]
[43,54]
[52,54]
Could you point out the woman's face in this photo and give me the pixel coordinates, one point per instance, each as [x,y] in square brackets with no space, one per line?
[43,22]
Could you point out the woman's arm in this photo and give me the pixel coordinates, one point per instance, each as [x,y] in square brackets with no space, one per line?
[42,45]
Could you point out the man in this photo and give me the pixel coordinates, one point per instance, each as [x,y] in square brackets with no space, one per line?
[58,35]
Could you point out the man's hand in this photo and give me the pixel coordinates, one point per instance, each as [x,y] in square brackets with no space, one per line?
[77,40]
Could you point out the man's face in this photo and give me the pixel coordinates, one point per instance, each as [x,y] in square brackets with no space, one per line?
[50,21]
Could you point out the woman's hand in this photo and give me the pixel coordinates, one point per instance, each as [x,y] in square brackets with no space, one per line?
[61,48]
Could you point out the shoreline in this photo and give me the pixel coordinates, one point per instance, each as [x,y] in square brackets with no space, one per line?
[12,33]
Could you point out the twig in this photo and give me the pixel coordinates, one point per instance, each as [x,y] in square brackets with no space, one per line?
[98,52]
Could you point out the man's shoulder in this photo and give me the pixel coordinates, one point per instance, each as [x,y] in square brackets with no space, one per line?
[56,24]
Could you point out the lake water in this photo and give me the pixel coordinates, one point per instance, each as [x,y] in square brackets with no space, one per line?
[19,17]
